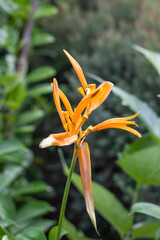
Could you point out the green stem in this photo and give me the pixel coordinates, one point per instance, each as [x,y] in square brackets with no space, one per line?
[66,191]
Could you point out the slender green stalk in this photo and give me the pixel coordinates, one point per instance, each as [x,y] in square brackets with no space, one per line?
[66,191]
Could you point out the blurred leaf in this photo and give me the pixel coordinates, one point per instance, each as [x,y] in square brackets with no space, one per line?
[8,6]
[40,90]
[53,233]
[41,73]
[72,232]
[5,237]
[107,205]
[153,57]
[145,230]
[8,146]
[25,129]
[24,158]
[143,165]
[139,144]
[40,38]
[30,116]
[7,222]
[31,233]
[30,188]
[150,209]
[147,114]
[7,207]
[157,235]
[32,210]
[45,11]
[9,78]
[43,224]
[10,173]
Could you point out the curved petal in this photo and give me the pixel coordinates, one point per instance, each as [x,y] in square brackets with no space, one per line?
[83,104]
[66,103]
[85,171]
[77,69]
[59,139]
[121,123]
[57,103]
[105,89]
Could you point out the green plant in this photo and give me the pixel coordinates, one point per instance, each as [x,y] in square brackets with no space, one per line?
[22,108]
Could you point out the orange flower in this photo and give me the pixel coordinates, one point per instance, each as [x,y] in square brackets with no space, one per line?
[72,122]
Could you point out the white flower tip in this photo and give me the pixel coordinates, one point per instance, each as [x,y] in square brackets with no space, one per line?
[46,142]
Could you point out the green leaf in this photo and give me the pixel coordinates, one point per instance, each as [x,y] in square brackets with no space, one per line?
[40,74]
[7,222]
[40,38]
[32,210]
[3,232]
[147,114]
[45,11]
[40,90]
[9,146]
[30,188]
[157,235]
[145,230]
[24,129]
[7,207]
[31,233]
[30,116]
[107,205]
[150,209]
[72,233]
[43,224]
[143,165]
[5,237]
[10,173]
[8,6]
[53,233]
[153,57]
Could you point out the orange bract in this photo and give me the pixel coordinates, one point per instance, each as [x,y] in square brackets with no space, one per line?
[73,121]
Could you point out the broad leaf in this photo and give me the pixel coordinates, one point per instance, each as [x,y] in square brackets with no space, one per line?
[8,6]
[150,209]
[7,207]
[40,74]
[40,90]
[147,114]
[145,230]
[30,116]
[53,233]
[143,165]
[10,173]
[153,57]
[32,210]
[45,11]
[43,224]
[40,38]
[107,205]
[7,222]
[9,146]
[30,188]
[72,232]
[31,233]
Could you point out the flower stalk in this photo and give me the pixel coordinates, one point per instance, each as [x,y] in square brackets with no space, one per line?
[66,191]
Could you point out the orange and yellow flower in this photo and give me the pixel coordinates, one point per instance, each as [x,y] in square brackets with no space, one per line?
[73,121]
